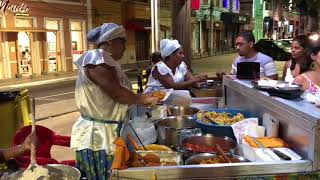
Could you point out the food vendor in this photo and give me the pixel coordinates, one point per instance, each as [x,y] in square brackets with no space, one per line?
[172,72]
[103,97]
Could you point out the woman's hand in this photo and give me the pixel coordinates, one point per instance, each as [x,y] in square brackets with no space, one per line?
[201,78]
[147,99]
[28,142]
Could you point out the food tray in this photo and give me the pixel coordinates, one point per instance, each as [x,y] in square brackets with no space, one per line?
[165,156]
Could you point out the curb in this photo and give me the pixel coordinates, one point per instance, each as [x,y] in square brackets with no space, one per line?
[36,83]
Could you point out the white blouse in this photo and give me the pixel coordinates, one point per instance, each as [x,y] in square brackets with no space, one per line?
[93,102]
[179,76]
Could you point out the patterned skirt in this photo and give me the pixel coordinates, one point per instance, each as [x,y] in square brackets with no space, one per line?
[95,165]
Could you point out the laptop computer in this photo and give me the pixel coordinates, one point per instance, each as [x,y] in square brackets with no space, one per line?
[248,70]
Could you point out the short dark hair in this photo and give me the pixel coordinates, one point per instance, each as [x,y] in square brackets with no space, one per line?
[155,56]
[247,35]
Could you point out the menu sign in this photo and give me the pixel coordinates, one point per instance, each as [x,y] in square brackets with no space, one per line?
[7,7]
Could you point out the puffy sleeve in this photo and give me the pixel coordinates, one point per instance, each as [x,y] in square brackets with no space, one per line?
[95,57]
[183,68]
[163,68]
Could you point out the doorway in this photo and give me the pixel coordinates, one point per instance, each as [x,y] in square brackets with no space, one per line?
[24,53]
[52,51]
[142,45]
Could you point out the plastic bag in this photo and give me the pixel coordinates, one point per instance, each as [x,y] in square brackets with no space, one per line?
[145,130]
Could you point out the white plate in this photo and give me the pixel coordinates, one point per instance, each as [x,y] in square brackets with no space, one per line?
[168,92]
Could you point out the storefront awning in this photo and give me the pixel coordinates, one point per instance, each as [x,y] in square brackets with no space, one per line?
[236,18]
[26,29]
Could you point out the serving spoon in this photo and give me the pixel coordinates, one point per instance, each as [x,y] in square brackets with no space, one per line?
[33,163]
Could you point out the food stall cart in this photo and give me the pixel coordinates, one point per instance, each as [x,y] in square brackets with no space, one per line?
[299,127]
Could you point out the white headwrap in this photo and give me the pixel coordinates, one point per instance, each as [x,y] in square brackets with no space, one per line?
[167,47]
[106,32]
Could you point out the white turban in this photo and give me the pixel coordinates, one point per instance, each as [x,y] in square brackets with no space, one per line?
[167,47]
[106,32]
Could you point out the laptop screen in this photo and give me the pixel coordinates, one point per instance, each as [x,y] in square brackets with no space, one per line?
[248,70]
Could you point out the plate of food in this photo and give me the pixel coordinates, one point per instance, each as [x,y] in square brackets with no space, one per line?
[162,94]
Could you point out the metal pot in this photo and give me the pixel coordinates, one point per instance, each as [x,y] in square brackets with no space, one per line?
[56,171]
[181,111]
[197,158]
[169,129]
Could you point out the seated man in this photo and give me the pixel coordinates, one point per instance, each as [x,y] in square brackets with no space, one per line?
[247,53]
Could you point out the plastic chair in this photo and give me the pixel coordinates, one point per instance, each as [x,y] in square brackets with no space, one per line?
[46,138]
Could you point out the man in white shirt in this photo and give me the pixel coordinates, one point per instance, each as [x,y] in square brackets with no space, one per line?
[245,47]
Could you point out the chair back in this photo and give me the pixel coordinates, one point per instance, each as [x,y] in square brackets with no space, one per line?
[45,139]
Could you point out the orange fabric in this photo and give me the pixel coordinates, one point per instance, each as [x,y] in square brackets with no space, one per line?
[121,154]
[268,142]
[133,142]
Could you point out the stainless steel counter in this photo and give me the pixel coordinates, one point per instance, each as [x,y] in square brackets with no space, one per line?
[299,120]
[299,127]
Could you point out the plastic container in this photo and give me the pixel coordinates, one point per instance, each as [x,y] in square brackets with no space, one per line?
[221,130]
[14,110]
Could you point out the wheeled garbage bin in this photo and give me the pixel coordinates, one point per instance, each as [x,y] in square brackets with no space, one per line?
[14,114]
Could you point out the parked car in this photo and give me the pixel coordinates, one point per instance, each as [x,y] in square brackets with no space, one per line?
[275,49]
[284,44]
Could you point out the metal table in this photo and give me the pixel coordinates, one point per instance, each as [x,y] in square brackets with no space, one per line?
[299,128]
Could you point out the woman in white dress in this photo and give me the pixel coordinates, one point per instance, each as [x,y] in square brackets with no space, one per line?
[172,72]
[299,63]
[103,97]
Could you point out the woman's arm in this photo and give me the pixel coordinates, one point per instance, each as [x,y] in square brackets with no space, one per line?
[284,71]
[106,77]
[6,154]
[168,82]
[302,81]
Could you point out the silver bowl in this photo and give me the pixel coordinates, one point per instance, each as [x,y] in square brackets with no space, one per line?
[227,144]
[181,111]
[56,172]
[197,158]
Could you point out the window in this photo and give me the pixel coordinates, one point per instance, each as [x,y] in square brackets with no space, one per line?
[226,4]
[268,6]
[24,22]
[76,26]
[52,24]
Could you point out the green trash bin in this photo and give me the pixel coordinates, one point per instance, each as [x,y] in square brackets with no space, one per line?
[14,114]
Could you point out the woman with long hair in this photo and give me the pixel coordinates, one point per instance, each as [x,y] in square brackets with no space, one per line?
[298,63]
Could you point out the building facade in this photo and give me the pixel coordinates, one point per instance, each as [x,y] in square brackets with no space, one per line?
[135,16]
[215,27]
[271,20]
[39,37]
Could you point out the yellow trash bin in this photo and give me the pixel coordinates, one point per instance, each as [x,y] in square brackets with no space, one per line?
[14,114]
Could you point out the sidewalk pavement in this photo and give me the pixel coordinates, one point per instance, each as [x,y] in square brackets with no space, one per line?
[19,83]
[61,125]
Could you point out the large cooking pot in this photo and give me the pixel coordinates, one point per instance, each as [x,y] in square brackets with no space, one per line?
[181,111]
[169,129]
[56,172]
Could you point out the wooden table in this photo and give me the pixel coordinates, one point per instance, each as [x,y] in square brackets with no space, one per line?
[213,91]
